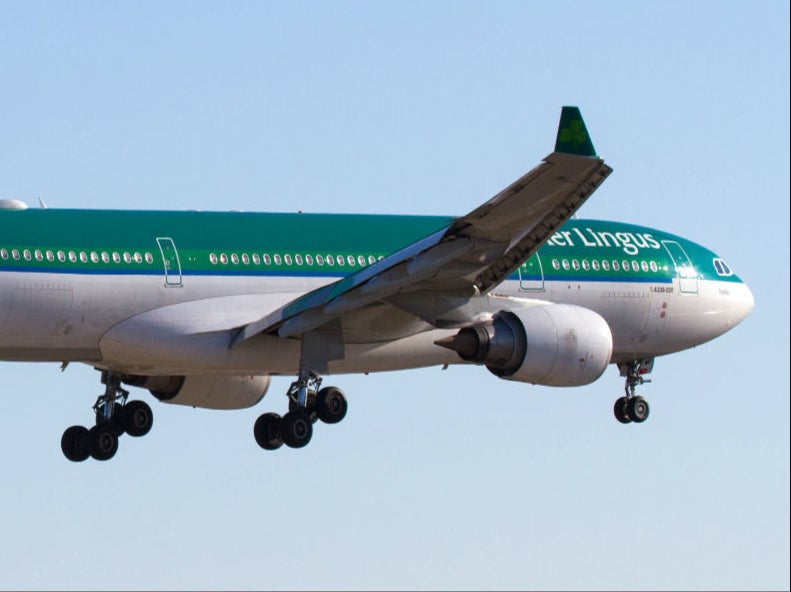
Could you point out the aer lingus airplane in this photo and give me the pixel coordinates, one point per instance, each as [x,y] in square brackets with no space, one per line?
[202,308]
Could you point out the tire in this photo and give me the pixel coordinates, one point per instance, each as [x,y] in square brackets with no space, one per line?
[638,409]
[296,429]
[331,404]
[267,431]
[117,420]
[137,418]
[621,410]
[75,443]
[103,441]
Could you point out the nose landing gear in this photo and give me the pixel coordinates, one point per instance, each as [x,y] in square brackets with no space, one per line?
[632,408]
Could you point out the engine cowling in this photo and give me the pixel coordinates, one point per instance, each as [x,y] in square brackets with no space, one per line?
[550,345]
[207,391]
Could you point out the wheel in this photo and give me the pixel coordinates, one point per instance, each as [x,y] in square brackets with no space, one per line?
[117,420]
[103,441]
[310,407]
[331,404]
[296,429]
[638,409]
[621,410]
[75,443]
[267,431]
[137,418]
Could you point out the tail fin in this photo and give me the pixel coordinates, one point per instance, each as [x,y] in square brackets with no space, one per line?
[573,137]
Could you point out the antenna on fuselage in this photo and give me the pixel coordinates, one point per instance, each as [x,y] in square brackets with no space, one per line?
[42,203]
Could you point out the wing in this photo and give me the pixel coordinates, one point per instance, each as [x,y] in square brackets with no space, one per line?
[433,276]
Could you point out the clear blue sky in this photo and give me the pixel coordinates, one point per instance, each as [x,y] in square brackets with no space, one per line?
[454,479]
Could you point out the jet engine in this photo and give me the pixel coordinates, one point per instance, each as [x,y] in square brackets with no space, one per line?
[207,391]
[550,345]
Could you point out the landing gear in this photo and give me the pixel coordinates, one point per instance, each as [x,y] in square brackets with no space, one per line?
[631,408]
[307,403]
[114,417]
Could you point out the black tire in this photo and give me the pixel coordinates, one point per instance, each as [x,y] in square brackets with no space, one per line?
[267,431]
[137,418]
[621,410]
[75,443]
[331,404]
[296,429]
[639,409]
[103,441]
[117,420]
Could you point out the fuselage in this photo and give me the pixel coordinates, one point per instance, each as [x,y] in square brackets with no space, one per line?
[178,282]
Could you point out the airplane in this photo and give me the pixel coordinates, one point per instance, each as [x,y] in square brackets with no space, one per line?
[203,308]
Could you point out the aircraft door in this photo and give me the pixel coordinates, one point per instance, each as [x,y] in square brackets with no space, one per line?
[531,275]
[170,259]
[686,272]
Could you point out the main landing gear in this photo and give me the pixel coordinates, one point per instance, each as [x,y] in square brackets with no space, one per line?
[631,408]
[114,417]
[307,403]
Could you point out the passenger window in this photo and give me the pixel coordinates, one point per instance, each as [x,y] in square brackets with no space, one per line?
[149,258]
[72,256]
[15,254]
[556,264]
[654,266]
[256,259]
[341,261]
[116,257]
[616,266]
[320,260]
[595,264]
[644,266]
[234,258]
[38,255]
[330,260]
[127,257]
[585,265]
[94,257]
[278,259]
[50,256]
[83,256]
[223,258]
[213,258]
[287,259]
[566,264]
[61,256]
[138,258]
[298,259]
[267,259]
[4,253]
[371,259]
[605,265]
[309,259]
[105,257]
[26,254]
[635,266]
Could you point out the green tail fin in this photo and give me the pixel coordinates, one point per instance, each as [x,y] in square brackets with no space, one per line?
[573,137]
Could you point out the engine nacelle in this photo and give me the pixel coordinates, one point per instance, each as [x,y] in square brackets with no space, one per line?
[207,391]
[550,345]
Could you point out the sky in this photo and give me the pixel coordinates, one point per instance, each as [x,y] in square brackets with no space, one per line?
[436,479]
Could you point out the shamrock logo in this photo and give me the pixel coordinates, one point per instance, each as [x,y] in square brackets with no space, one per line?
[574,133]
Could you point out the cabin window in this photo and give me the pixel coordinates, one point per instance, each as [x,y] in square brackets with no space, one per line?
[320,260]
[149,258]
[4,253]
[576,265]
[245,258]
[585,265]
[555,264]
[83,256]
[350,260]
[654,266]
[223,258]
[256,259]
[61,256]
[38,255]
[605,265]
[116,257]
[50,256]
[595,265]
[287,259]
[278,259]
[234,258]
[15,254]
[72,256]
[644,265]
[341,261]
[213,258]
[371,259]
[616,266]
[330,260]
[635,266]
[94,257]
[309,259]
[138,258]
[105,257]
[267,259]
[26,254]
[127,257]
[566,264]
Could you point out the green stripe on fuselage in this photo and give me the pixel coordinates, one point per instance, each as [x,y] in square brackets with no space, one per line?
[238,238]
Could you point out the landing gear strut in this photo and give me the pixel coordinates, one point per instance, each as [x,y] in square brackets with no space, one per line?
[114,417]
[632,408]
[307,402]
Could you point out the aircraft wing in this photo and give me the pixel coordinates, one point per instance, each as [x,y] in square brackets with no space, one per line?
[466,259]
